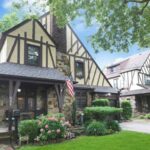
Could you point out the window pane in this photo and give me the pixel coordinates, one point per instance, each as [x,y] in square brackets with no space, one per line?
[33,55]
[79,69]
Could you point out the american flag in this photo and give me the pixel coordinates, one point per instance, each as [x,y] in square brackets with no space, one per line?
[70,87]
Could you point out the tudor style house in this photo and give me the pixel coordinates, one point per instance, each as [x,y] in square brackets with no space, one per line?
[36,59]
[132,77]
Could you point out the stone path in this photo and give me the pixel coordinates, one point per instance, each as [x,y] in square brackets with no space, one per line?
[137,125]
[5,147]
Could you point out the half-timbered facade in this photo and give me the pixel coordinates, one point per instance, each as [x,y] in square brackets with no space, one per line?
[132,77]
[36,59]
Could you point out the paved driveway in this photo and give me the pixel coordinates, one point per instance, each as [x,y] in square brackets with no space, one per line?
[137,125]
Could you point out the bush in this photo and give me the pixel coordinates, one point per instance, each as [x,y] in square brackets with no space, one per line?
[50,128]
[101,113]
[147,116]
[100,102]
[127,109]
[113,126]
[28,127]
[96,128]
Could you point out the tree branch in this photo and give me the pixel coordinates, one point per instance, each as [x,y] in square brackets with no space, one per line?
[136,1]
[141,12]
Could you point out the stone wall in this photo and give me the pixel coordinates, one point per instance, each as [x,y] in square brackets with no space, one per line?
[52,105]
[63,63]
[4,100]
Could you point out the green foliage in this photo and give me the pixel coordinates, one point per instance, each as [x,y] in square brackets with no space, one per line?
[50,128]
[113,126]
[21,10]
[101,113]
[127,109]
[28,127]
[145,116]
[8,21]
[131,23]
[96,128]
[100,102]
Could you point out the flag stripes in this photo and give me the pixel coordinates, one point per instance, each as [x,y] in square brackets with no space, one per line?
[70,87]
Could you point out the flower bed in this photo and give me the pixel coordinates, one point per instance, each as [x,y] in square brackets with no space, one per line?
[48,129]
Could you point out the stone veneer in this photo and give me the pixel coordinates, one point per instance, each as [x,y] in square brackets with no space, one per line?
[52,101]
[63,65]
[4,99]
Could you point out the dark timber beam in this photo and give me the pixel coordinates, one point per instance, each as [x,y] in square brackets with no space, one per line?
[60,92]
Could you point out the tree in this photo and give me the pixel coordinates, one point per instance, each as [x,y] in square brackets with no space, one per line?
[120,23]
[21,10]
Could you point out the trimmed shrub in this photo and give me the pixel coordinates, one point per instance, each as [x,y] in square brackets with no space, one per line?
[100,102]
[127,109]
[28,127]
[101,113]
[113,126]
[96,128]
[147,116]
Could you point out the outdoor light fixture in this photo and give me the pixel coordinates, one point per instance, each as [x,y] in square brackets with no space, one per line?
[108,94]
[19,90]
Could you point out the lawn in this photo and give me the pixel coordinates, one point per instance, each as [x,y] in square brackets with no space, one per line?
[120,141]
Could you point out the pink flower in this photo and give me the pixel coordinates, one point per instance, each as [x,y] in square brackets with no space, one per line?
[67,124]
[46,126]
[41,130]
[52,119]
[49,132]
[58,131]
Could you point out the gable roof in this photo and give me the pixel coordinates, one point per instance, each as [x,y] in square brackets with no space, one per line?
[134,62]
[4,34]
[31,72]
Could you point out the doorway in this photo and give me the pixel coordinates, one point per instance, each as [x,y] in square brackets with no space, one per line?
[26,102]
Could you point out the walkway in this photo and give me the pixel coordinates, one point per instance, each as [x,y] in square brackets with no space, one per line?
[137,125]
[5,147]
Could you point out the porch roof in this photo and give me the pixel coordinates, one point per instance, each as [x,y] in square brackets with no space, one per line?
[33,72]
[135,92]
[97,89]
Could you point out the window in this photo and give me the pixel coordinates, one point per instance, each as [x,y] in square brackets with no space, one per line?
[115,83]
[81,99]
[111,69]
[79,67]
[33,55]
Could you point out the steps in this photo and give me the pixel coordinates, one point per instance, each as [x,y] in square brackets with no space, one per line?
[5,136]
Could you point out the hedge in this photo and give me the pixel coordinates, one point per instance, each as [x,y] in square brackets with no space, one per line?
[101,113]
[127,109]
[100,102]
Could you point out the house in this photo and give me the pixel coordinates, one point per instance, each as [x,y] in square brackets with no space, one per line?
[36,59]
[132,77]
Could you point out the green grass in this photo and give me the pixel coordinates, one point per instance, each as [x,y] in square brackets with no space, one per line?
[120,141]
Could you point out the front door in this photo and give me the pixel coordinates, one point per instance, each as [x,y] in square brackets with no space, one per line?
[26,101]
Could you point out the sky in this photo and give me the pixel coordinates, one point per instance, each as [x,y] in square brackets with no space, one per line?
[103,58]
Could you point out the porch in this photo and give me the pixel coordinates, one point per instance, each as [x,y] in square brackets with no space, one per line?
[32,90]
[140,100]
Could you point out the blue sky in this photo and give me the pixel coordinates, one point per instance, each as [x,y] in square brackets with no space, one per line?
[102,58]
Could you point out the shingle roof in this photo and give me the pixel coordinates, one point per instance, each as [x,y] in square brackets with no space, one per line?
[26,71]
[132,63]
[101,89]
[135,92]
[97,89]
